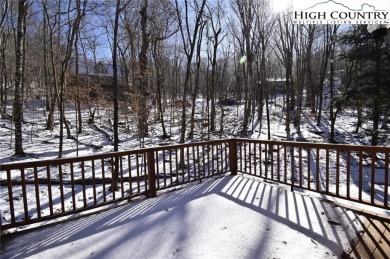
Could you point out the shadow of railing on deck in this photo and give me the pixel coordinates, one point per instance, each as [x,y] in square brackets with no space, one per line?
[276,204]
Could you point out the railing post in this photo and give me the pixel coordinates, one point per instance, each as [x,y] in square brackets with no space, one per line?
[292,167]
[233,156]
[151,174]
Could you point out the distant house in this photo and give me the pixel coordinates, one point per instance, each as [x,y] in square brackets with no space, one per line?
[99,73]
[277,85]
[96,77]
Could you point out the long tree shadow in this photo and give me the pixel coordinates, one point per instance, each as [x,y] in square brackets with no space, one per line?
[321,222]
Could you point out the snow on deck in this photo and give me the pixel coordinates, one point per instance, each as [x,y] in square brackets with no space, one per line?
[230,217]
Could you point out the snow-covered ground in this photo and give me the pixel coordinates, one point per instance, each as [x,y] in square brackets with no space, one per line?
[43,144]
[229,217]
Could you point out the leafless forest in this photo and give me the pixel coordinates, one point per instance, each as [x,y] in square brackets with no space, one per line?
[149,61]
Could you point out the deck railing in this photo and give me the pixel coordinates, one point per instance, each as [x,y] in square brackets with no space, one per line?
[48,189]
[356,173]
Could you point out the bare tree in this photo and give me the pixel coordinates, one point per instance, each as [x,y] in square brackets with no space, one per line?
[332,112]
[143,73]
[3,65]
[245,11]
[189,42]
[327,39]
[265,24]
[214,14]
[19,78]
[287,38]
[196,83]
[163,27]
[115,88]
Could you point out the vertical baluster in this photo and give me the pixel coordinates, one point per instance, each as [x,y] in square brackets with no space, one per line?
[360,175]
[272,160]
[104,180]
[278,161]
[170,166]
[37,193]
[317,169]
[151,173]
[94,182]
[250,157]
[300,166]
[164,168]
[121,175]
[130,176]
[188,163]
[157,169]
[177,166]
[212,159]
[72,186]
[285,163]
[386,194]
[83,183]
[138,175]
[292,168]
[266,161]
[240,160]
[183,163]
[348,173]
[327,170]
[255,158]
[227,162]
[60,176]
[198,160]
[24,194]
[338,172]
[49,190]
[261,160]
[194,162]
[309,167]
[373,161]
[245,162]
[220,158]
[10,197]
[146,171]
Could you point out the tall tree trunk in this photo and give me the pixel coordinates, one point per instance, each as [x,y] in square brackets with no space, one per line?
[189,42]
[213,79]
[142,109]
[332,112]
[196,86]
[19,78]
[376,108]
[77,87]
[324,66]
[160,84]
[3,66]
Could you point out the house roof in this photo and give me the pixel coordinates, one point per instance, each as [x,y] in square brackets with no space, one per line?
[89,68]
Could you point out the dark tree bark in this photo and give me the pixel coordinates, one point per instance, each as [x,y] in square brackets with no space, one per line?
[160,86]
[324,67]
[3,64]
[19,78]
[332,113]
[216,28]
[287,40]
[52,100]
[115,87]
[196,84]
[143,109]
[376,92]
